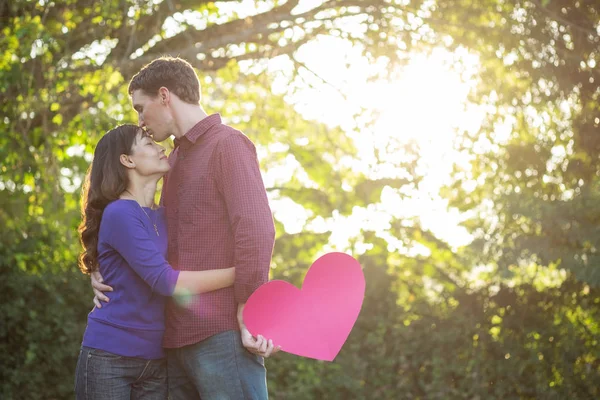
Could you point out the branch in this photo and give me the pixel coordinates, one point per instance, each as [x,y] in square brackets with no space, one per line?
[250,29]
[220,35]
[323,80]
[143,29]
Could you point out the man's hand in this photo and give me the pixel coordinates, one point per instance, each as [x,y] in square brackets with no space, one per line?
[256,345]
[99,288]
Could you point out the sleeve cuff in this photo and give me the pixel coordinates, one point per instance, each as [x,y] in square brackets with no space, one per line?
[166,286]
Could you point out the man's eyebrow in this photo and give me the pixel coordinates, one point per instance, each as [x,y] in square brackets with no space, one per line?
[137,107]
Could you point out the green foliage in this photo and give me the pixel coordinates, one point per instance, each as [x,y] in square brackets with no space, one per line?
[41,332]
[511,342]
[539,77]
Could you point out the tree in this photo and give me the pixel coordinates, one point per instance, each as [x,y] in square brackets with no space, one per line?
[539,179]
[63,74]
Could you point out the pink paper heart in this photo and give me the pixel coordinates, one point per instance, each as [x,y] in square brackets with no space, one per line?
[315,321]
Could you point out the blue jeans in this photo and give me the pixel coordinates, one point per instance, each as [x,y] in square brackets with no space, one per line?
[217,368]
[101,375]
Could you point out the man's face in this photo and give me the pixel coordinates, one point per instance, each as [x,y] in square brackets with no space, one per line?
[153,115]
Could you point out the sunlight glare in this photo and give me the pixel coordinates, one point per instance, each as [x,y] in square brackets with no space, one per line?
[426,105]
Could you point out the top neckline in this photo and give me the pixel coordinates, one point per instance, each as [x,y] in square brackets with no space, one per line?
[144,207]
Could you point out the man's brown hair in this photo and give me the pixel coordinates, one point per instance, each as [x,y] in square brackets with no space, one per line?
[175,74]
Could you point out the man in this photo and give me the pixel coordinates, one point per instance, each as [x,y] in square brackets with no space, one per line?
[217,216]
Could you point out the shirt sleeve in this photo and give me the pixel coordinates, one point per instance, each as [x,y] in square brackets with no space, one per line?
[130,238]
[240,183]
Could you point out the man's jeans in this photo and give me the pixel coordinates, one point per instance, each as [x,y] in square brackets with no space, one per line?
[102,375]
[218,368]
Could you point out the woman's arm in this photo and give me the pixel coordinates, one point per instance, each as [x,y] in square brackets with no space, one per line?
[129,237]
[195,282]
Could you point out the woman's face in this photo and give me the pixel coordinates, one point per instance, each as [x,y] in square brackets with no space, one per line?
[148,157]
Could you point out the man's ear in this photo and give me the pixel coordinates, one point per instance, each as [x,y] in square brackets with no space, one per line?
[164,95]
[127,161]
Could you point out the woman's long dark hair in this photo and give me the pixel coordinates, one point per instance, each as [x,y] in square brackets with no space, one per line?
[105,181]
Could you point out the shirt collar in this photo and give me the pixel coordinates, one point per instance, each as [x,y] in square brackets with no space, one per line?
[199,129]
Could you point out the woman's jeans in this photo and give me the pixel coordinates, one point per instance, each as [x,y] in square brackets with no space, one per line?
[102,375]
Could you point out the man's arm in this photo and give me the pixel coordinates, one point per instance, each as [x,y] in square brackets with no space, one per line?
[239,180]
[240,183]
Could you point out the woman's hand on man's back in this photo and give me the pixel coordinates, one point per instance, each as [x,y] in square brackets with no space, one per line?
[99,288]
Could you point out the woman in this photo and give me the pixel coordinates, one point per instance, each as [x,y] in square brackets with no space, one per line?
[124,237]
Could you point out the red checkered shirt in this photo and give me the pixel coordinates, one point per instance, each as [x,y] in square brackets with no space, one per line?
[218,216]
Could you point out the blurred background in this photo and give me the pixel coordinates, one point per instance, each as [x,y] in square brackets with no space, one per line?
[451,146]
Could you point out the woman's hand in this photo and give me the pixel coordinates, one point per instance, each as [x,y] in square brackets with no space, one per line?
[99,288]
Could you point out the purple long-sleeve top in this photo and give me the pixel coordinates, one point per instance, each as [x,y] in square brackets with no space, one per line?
[131,258]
